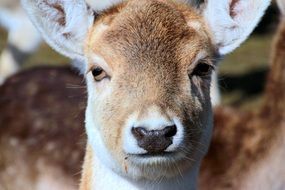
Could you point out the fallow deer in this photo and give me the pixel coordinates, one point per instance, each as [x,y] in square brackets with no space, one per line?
[242,155]
[148,69]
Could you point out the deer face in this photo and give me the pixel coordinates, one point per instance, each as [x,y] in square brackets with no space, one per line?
[148,66]
[149,74]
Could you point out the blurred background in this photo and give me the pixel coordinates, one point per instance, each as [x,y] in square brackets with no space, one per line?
[242,73]
[40,130]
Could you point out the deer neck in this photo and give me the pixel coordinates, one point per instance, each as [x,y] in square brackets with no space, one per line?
[275,91]
[97,176]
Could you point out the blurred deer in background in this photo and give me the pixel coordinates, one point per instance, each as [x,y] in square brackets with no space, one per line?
[248,149]
[41,130]
[148,69]
[23,38]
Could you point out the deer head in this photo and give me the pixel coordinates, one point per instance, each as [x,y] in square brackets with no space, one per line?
[148,66]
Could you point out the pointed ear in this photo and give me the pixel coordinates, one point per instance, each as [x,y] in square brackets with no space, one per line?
[281,5]
[63,23]
[231,21]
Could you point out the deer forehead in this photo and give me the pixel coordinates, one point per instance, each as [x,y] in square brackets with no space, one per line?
[147,36]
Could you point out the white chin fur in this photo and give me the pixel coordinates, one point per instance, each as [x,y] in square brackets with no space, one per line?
[97,143]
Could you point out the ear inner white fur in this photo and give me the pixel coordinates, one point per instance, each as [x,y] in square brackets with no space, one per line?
[63,23]
[231,21]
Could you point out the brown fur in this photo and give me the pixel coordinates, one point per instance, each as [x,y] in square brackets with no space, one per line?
[233,13]
[240,143]
[33,131]
[87,170]
[239,135]
[243,142]
[150,48]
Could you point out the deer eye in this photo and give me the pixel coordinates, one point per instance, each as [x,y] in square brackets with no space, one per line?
[99,74]
[202,69]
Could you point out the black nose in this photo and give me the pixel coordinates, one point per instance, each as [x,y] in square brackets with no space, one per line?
[154,141]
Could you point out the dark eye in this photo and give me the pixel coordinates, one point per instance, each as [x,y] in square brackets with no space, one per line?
[99,74]
[202,69]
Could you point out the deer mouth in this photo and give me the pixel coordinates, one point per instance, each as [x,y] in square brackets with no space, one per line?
[158,154]
[165,164]
[154,158]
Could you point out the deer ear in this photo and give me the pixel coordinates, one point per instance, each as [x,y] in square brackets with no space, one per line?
[63,23]
[231,21]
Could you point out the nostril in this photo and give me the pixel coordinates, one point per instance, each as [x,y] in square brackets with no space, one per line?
[139,132]
[154,141]
[170,131]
